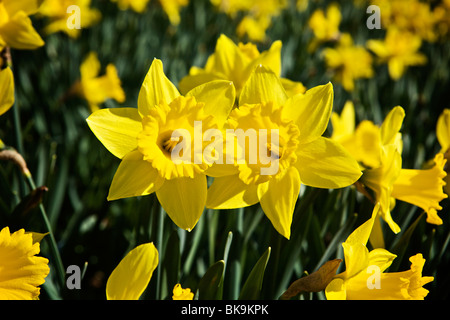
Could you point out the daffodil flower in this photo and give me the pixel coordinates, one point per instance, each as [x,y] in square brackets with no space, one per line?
[235,63]
[56,12]
[132,275]
[182,294]
[6,90]
[349,62]
[16,29]
[21,270]
[399,50]
[144,139]
[364,277]
[378,150]
[324,25]
[97,89]
[301,154]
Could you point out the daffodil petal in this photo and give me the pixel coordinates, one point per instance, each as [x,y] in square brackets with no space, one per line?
[263,86]
[134,177]
[218,96]
[391,125]
[229,192]
[131,276]
[28,6]
[443,130]
[278,197]
[381,258]
[90,67]
[324,163]
[19,33]
[116,128]
[6,90]
[184,199]
[155,89]
[335,290]
[311,111]
[191,81]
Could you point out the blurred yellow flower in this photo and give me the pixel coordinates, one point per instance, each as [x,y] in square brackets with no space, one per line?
[16,29]
[131,276]
[97,89]
[235,63]
[136,5]
[143,138]
[59,18]
[364,277]
[257,15]
[172,9]
[348,62]
[6,90]
[412,16]
[182,294]
[324,25]
[301,154]
[21,271]
[399,50]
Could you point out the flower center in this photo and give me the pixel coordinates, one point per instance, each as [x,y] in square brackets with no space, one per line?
[271,144]
[168,139]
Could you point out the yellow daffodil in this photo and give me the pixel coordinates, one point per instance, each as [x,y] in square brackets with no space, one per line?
[136,5]
[301,154]
[366,140]
[182,294]
[324,25]
[172,9]
[364,277]
[235,63]
[131,276]
[409,15]
[399,50]
[378,150]
[348,62]
[16,29]
[144,139]
[61,20]
[257,15]
[21,270]
[6,90]
[97,89]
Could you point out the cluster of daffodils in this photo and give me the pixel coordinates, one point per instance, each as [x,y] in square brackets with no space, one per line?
[239,93]
[406,25]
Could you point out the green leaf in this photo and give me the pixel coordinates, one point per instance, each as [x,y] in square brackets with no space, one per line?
[210,286]
[252,287]
[171,264]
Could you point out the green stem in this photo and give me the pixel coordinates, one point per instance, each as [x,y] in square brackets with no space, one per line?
[53,246]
